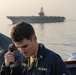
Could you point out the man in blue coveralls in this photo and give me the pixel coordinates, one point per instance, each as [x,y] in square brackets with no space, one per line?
[36,59]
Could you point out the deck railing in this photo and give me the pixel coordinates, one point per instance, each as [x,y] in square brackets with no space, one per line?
[71,65]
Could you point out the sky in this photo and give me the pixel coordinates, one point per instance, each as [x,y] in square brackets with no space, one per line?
[65,8]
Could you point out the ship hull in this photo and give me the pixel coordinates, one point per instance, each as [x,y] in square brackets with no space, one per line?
[35,19]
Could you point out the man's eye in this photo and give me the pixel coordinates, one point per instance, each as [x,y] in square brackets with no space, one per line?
[25,46]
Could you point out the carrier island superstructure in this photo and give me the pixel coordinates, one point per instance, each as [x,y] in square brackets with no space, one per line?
[36,19]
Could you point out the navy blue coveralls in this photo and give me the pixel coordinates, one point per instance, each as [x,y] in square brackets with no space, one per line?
[47,62]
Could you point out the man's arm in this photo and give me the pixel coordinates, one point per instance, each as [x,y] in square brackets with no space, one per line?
[10,71]
[5,70]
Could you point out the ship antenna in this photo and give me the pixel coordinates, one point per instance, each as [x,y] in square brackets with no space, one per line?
[41,14]
[41,9]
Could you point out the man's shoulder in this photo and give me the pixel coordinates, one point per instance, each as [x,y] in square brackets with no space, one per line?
[51,54]
[45,50]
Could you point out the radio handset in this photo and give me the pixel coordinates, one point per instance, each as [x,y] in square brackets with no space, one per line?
[11,48]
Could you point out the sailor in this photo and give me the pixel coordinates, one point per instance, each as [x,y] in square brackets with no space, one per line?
[36,59]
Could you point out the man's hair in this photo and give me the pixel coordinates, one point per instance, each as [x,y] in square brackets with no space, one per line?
[21,31]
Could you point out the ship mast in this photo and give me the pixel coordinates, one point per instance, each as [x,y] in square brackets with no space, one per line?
[41,14]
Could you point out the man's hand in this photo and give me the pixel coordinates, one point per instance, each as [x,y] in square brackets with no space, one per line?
[9,57]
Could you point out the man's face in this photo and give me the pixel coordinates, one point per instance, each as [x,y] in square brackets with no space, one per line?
[27,47]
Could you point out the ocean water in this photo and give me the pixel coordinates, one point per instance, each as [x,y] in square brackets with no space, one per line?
[59,37]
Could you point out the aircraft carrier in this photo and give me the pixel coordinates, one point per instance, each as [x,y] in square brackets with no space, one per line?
[36,19]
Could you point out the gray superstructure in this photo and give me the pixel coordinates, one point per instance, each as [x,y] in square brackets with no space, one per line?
[36,19]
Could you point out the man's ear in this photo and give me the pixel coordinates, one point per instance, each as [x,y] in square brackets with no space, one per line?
[34,37]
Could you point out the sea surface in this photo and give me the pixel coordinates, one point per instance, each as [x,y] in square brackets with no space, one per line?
[59,37]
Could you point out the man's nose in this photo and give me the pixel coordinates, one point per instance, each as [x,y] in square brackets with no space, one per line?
[22,49]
